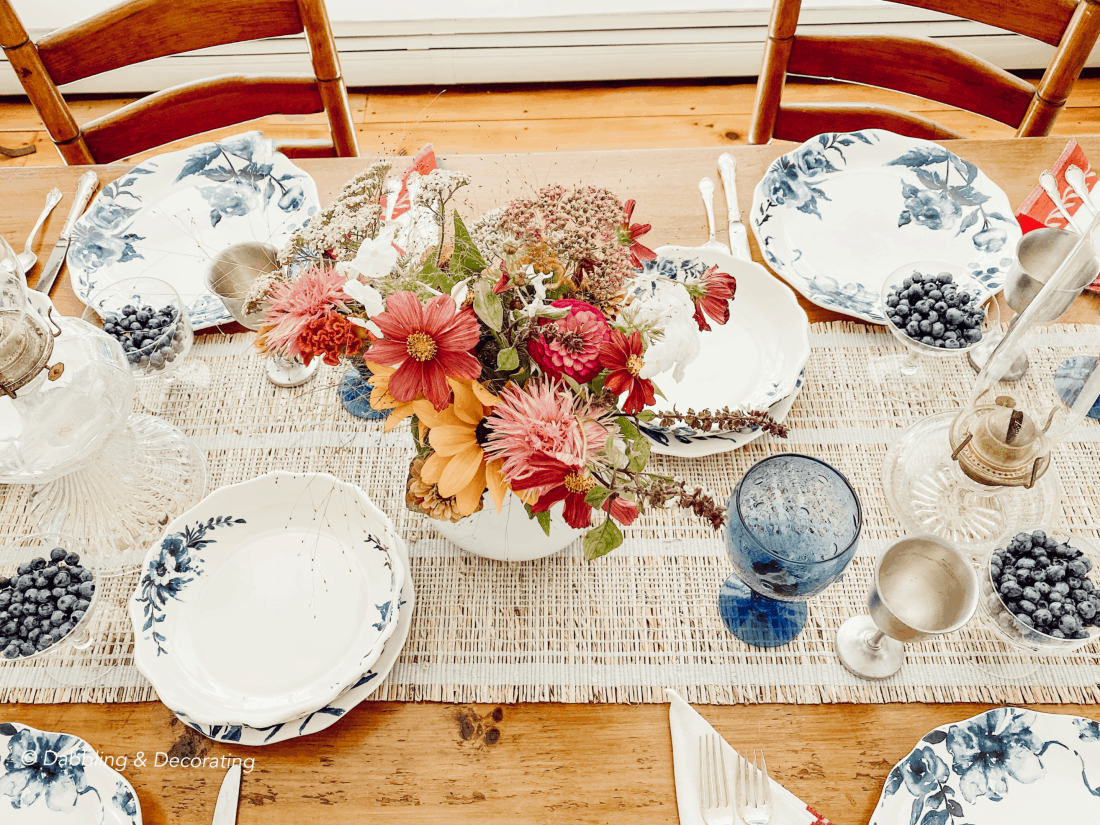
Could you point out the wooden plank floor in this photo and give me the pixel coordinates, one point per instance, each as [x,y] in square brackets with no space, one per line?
[554,117]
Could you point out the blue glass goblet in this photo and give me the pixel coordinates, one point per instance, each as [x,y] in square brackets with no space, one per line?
[794,525]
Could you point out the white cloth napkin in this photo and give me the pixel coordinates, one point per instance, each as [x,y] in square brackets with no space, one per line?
[687,726]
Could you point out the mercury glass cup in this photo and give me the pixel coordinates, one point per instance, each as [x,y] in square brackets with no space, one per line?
[923,587]
[794,525]
[907,365]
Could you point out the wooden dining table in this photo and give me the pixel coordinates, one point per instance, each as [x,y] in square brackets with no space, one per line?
[428,762]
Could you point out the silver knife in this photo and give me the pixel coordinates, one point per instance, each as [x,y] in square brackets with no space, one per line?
[225,811]
[739,238]
[84,189]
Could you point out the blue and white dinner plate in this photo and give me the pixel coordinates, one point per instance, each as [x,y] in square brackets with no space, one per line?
[837,215]
[59,779]
[168,216]
[1006,766]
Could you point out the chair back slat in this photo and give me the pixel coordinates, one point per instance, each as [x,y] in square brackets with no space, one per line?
[802,121]
[198,107]
[916,66]
[926,68]
[142,30]
[1043,20]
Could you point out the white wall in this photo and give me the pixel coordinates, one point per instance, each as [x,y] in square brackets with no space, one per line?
[490,41]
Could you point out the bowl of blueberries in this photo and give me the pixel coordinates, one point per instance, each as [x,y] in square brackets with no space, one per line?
[48,595]
[148,319]
[1039,591]
[935,308]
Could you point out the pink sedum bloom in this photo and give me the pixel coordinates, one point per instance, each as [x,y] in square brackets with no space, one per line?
[571,345]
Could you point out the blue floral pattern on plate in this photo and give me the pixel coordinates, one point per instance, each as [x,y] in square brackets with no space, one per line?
[1070,378]
[171,214]
[1002,767]
[841,212]
[62,774]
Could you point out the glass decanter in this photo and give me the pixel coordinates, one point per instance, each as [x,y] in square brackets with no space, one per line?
[91,468]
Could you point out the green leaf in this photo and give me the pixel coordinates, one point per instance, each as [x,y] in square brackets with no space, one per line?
[466,259]
[487,305]
[627,427]
[597,496]
[544,521]
[601,540]
[639,455]
[646,416]
[508,359]
[573,385]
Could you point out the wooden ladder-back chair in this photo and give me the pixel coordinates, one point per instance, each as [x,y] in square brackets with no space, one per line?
[141,30]
[925,68]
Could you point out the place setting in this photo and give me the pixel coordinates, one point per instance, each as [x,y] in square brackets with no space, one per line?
[540,425]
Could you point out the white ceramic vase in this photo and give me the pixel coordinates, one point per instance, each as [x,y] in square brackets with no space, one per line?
[509,535]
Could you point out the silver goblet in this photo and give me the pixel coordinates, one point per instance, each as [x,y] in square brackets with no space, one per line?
[923,587]
[1038,256]
[230,276]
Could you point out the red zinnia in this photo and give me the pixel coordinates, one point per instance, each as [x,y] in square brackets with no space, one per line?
[623,356]
[427,344]
[631,232]
[717,291]
[570,345]
[559,481]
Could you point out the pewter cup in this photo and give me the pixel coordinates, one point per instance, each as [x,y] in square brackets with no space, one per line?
[923,587]
[233,271]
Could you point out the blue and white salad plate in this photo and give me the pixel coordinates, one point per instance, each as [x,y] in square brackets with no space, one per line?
[170,215]
[1006,766]
[837,215]
[59,779]
[267,600]
[318,720]
[754,361]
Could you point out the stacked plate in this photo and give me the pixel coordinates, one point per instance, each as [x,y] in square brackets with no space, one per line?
[752,362]
[272,607]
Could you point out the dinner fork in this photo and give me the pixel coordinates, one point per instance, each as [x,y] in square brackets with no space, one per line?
[706,189]
[715,796]
[754,791]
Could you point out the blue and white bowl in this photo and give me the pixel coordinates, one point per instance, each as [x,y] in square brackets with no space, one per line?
[268,600]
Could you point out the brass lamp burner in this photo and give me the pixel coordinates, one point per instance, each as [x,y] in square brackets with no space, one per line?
[998,445]
[26,350]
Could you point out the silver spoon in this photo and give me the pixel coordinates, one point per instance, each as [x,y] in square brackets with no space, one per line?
[1050,186]
[28,259]
[1075,177]
[706,189]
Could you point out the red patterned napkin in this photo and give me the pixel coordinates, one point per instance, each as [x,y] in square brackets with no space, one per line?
[1038,209]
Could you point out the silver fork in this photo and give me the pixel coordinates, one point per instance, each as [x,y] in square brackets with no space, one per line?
[754,792]
[715,795]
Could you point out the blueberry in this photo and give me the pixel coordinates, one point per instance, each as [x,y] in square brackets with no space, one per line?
[973,336]
[58,592]
[1078,567]
[129,309]
[1025,606]
[1056,572]
[24,568]
[11,651]
[85,574]
[62,579]
[82,604]
[938,329]
[892,299]
[73,559]
[45,611]
[908,282]
[58,554]
[38,564]
[1069,624]
[1073,583]
[1011,590]
[964,298]
[77,615]
[26,649]
[1087,610]
[1054,596]
[940,307]
[1042,617]
[29,622]
[66,603]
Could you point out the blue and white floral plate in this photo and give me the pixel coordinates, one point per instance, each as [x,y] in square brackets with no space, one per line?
[752,362]
[170,215]
[1006,766]
[59,779]
[330,714]
[267,600]
[841,212]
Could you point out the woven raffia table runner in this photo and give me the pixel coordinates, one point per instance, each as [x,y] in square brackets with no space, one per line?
[643,618]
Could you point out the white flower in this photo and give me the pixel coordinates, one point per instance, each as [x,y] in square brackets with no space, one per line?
[365,294]
[663,309]
[460,290]
[374,259]
[367,325]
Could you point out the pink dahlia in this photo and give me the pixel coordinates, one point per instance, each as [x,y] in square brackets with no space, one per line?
[427,344]
[543,418]
[299,305]
[570,345]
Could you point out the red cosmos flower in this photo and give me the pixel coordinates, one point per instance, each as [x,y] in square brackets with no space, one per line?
[559,481]
[623,356]
[717,290]
[427,344]
[328,336]
[629,233]
[623,510]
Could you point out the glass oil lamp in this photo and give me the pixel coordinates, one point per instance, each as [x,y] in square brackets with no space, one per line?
[93,470]
[976,475]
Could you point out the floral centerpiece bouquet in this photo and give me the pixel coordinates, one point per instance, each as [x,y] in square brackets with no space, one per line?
[524,350]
